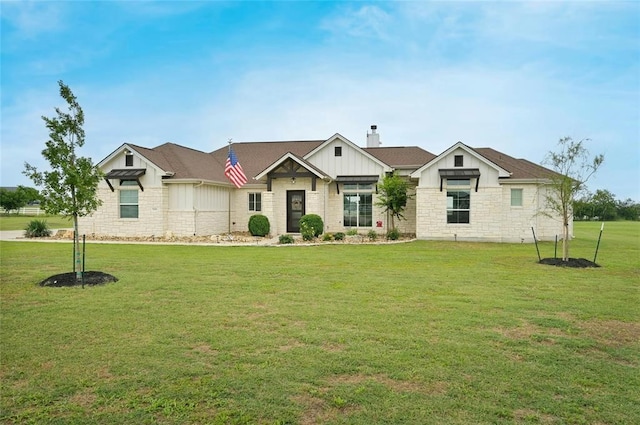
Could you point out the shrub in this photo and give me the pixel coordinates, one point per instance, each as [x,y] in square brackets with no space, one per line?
[37,229]
[393,234]
[311,226]
[259,225]
[339,236]
[352,232]
[327,237]
[285,239]
[372,235]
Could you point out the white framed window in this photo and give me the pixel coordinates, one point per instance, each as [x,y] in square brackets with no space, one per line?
[458,201]
[128,199]
[357,204]
[516,197]
[255,201]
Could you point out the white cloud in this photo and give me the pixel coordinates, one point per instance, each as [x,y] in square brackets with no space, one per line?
[30,19]
[368,21]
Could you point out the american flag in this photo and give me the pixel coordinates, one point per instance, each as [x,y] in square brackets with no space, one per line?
[233,170]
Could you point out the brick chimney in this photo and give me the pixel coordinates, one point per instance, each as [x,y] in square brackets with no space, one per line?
[373,138]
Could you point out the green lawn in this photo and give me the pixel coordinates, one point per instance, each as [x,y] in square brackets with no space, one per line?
[415,333]
[19,222]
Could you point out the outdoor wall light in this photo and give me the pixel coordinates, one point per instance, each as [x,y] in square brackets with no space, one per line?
[293,180]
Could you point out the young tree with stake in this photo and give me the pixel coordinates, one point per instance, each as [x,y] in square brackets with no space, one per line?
[573,168]
[70,188]
[393,196]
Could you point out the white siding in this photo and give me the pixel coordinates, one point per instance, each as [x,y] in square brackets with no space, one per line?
[352,162]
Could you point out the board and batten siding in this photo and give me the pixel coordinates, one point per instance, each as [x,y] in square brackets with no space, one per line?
[197,209]
[351,162]
[430,177]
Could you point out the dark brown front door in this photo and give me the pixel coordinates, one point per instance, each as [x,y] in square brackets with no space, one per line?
[295,210]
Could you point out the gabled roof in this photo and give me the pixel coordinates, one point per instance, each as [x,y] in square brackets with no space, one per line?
[255,157]
[507,166]
[343,139]
[519,168]
[402,157]
[459,145]
[185,162]
[258,158]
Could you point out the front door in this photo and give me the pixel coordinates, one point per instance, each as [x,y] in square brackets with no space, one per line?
[295,210]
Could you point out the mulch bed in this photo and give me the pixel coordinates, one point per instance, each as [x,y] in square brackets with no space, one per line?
[571,262]
[69,279]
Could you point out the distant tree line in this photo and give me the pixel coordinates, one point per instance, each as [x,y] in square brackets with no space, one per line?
[603,205]
[14,199]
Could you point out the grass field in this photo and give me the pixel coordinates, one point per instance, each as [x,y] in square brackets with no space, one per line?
[19,222]
[416,333]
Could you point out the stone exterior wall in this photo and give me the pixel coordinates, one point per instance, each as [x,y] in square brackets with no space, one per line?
[492,218]
[106,219]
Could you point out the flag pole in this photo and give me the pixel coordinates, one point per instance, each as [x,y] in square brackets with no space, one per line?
[229,208]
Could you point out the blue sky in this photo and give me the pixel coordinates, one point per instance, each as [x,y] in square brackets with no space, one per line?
[508,75]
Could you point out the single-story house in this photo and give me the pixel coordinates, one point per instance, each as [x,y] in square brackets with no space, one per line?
[463,193]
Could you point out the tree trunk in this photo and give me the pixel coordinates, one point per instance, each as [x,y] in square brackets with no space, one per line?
[565,241]
[76,248]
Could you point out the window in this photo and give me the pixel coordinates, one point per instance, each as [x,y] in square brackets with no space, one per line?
[516,197]
[358,205]
[129,203]
[338,151]
[458,201]
[128,159]
[255,202]
[458,161]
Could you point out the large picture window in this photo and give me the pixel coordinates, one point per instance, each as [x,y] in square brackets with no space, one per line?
[128,200]
[358,205]
[255,202]
[458,201]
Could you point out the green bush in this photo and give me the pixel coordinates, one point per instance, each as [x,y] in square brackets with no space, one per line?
[259,225]
[327,237]
[339,236]
[352,232]
[285,239]
[393,234]
[372,235]
[311,226]
[37,229]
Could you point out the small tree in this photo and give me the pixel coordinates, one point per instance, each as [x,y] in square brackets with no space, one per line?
[70,188]
[573,167]
[393,196]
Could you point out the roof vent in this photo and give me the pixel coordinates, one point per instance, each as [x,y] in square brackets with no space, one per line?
[373,138]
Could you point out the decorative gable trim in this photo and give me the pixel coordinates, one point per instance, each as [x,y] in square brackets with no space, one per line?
[291,166]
